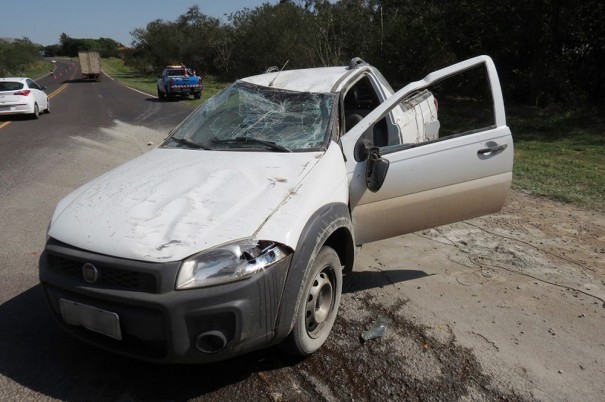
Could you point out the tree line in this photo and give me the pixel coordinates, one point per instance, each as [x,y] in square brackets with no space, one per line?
[546,50]
[17,55]
[69,46]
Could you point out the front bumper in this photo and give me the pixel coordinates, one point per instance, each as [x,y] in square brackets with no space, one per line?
[158,323]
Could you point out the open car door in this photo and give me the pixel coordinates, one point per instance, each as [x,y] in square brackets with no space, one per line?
[455,168]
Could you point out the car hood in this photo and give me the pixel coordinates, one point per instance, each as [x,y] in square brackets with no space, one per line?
[171,203]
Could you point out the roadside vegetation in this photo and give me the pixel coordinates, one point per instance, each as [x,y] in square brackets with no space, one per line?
[560,153]
[549,56]
[21,58]
[38,69]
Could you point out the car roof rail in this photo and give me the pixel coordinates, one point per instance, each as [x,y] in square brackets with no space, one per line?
[357,62]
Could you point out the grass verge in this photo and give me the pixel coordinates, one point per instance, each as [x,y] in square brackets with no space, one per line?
[38,70]
[560,154]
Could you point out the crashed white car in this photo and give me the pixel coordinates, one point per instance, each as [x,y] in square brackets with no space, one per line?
[234,234]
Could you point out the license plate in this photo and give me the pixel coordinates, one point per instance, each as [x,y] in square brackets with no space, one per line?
[4,108]
[92,318]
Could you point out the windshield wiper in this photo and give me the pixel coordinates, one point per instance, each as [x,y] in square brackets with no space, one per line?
[250,140]
[189,143]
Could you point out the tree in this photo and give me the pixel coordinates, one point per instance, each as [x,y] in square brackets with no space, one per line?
[16,56]
[272,35]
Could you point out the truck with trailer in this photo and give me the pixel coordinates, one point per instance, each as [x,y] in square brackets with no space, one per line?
[90,65]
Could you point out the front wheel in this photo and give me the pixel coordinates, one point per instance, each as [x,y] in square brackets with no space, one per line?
[318,304]
[161,94]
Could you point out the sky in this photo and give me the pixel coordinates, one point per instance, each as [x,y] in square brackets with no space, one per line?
[43,21]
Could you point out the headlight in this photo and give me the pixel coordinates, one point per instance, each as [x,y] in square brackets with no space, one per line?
[229,263]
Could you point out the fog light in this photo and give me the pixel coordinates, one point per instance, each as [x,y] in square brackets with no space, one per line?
[211,342]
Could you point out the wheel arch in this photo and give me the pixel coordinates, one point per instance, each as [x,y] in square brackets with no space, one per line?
[341,241]
[331,226]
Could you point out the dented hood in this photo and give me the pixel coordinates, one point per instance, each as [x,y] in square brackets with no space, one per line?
[171,203]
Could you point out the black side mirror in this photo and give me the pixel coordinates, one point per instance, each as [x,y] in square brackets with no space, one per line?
[376,166]
[362,149]
[376,170]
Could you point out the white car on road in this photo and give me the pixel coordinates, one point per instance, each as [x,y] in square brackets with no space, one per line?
[20,95]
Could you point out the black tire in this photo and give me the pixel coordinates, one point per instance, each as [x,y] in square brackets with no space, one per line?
[36,113]
[161,94]
[318,304]
[197,95]
[47,107]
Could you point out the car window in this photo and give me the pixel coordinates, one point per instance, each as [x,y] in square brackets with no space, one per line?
[32,84]
[358,102]
[455,106]
[251,116]
[10,86]
[177,72]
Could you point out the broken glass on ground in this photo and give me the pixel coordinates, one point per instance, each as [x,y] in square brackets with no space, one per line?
[377,329]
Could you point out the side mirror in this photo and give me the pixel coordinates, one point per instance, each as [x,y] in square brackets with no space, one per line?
[376,170]
[362,150]
[376,166]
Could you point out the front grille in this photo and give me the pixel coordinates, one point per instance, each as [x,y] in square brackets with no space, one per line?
[109,277]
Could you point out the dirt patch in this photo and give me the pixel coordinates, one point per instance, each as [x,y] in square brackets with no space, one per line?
[521,291]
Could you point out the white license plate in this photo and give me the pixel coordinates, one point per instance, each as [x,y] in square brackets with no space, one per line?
[92,318]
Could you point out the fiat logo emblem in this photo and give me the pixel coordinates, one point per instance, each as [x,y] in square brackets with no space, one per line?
[90,273]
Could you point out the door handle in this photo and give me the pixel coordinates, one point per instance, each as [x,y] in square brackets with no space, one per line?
[492,149]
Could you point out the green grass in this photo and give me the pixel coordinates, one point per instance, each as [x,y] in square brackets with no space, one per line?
[38,70]
[147,83]
[560,154]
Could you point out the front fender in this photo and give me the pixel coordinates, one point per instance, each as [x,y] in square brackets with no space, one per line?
[332,219]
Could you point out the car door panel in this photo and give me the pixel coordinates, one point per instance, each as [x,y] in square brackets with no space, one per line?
[428,186]
[434,183]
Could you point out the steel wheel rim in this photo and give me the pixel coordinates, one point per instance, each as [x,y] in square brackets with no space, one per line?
[320,302]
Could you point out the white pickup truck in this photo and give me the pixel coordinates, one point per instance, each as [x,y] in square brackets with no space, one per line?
[234,234]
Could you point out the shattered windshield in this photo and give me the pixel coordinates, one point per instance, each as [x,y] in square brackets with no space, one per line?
[246,116]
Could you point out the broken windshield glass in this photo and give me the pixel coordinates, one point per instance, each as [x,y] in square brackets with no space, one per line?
[269,119]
